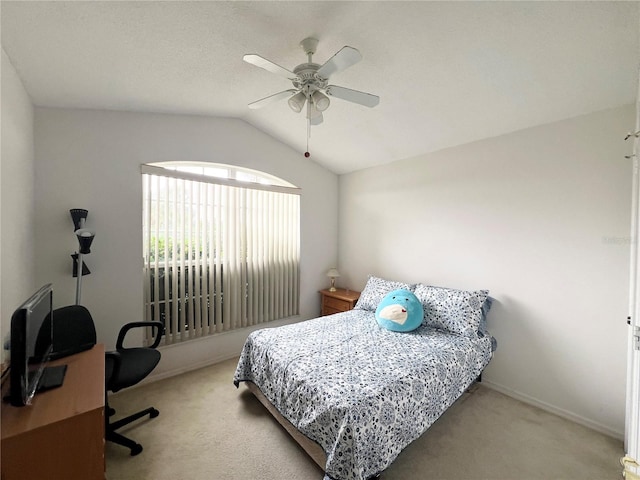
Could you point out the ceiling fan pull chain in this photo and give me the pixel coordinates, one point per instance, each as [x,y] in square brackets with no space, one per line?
[307,154]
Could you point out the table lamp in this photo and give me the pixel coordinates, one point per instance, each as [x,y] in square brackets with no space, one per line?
[333,274]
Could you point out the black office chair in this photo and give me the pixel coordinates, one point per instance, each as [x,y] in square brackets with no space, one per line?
[125,367]
[74,331]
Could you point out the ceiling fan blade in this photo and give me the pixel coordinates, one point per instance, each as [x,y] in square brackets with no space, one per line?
[346,57]
[366,99]
[268,65]
[271,98]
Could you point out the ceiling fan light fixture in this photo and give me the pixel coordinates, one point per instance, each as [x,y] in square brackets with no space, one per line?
[320,100]
[296,103]
[312,111]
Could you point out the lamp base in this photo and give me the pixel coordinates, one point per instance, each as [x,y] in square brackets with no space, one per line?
[332,289]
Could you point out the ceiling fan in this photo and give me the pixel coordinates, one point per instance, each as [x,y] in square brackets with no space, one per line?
[311,82]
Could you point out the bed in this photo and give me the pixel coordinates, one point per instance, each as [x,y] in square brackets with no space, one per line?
[354,394]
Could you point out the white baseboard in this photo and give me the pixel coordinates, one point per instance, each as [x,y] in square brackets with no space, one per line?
[180,371]
[598,427]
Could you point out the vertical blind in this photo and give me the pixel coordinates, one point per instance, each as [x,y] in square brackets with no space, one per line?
[219,254]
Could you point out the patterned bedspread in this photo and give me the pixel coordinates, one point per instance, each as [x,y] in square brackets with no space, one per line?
[361,392]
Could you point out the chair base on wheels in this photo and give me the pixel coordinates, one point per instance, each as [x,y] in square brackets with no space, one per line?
[110,428]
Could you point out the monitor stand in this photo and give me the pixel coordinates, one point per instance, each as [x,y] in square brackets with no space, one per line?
[52,377]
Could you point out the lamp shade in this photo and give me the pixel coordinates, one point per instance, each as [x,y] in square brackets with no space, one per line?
[78,215]
[333,273]
[85,237]
[297,102]
[320,100]
[313,112]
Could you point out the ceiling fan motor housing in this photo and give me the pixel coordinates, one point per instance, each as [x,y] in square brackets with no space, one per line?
[306,75]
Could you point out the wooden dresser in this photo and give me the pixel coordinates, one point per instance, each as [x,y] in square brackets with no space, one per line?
[339,301]
[60,436]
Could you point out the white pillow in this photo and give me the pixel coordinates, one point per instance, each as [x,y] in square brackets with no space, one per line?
[454,311]
[375,290]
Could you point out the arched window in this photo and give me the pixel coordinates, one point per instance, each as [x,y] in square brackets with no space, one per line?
[221,248]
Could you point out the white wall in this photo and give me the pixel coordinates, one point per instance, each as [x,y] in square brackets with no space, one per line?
[17,211]
[91,159]
[541,217]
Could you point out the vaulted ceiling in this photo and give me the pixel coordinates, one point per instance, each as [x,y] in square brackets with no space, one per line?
[447,73]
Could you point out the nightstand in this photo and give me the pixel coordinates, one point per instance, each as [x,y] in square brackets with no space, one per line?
[339,301]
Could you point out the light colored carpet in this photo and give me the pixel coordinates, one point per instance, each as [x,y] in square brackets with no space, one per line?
[209,430]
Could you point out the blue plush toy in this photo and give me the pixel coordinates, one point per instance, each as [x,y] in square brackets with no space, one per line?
[399,311]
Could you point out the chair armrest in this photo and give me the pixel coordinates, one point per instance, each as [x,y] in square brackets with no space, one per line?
[159,331]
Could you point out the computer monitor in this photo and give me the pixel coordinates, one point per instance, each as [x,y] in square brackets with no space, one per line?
[31,346]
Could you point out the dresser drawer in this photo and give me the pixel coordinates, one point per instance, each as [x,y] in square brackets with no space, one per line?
[330,311]
[336,304]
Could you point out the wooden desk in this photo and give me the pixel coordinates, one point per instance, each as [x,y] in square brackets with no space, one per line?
[60,436]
